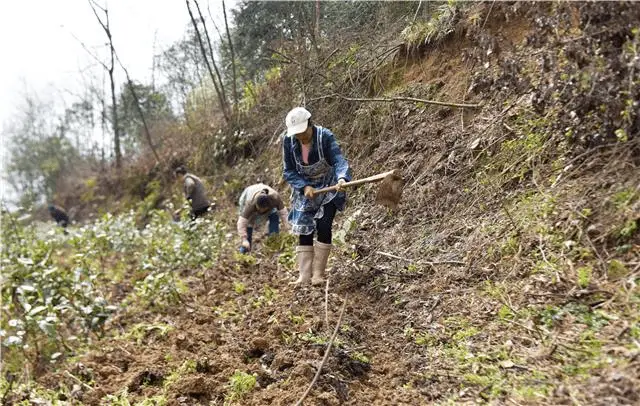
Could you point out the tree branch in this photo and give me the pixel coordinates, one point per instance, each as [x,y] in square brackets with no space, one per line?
[91,54]
[395,99]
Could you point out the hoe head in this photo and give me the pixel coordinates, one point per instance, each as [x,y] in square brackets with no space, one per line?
[390,190]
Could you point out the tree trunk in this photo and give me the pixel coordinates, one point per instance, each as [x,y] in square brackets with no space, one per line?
[110,69]
[141,113]
[221,99]
[233,59]
[114,118]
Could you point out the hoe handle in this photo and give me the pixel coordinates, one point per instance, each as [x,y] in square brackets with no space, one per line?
[370,179]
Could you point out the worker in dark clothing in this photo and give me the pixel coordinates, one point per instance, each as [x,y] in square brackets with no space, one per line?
[60,216]
[194,192]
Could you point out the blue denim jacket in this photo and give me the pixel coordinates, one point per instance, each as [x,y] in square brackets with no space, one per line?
[332,153]
[325,166]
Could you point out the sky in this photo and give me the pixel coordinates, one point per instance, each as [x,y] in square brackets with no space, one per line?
[42,55]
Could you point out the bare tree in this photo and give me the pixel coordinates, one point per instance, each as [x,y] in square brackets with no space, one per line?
[114,111]
[233,58]
[243,76]
[211,54]
[219,91]
[132,88]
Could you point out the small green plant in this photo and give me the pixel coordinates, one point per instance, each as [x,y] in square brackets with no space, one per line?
[628,229]
[188,367]
[622,199]
[295,319]
[313,338]
[238,287]
[244,259]
[425,339]
[409,332]
[266,298]
[505,313]
[617,270]
[465,333]
[358,356]
[141,330]
[493,290]
[584,276]
[239,385]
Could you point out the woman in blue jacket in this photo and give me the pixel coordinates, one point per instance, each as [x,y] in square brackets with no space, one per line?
[312,160]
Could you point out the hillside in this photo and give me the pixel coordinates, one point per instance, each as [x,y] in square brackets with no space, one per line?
[508,275]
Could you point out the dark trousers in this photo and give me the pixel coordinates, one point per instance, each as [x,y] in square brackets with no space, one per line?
[323,226]
[274,227]
[195,213]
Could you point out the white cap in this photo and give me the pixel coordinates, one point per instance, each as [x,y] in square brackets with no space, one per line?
[297,121]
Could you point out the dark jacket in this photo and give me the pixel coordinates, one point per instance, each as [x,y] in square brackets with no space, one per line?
[59,215]
[194,192]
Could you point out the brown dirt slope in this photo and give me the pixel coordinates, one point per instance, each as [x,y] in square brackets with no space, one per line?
[508,275]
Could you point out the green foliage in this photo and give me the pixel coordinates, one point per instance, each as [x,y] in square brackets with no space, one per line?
[505,313]
[47,299]
[295,319]
[155,108]
[438,27]
[252,91]
[55,289]
[39,153]
[239,385]
[244,259]
[269,294]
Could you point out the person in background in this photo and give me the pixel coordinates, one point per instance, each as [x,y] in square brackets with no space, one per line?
[194,192]
[60,216]
[259,203]
[312,160]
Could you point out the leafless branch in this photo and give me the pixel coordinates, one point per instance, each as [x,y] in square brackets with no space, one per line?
[394,99]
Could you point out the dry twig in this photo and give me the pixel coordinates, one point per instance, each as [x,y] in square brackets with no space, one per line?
[326,304]
[326,355]
[75,378]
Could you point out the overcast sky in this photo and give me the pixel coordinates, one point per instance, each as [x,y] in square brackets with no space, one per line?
[41,57]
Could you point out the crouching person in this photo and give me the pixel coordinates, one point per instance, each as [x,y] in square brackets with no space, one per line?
[259,203]
[60,216]
[194,192]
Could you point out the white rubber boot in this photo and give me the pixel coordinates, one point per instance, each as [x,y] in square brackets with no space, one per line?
[304,254]
[320,259]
